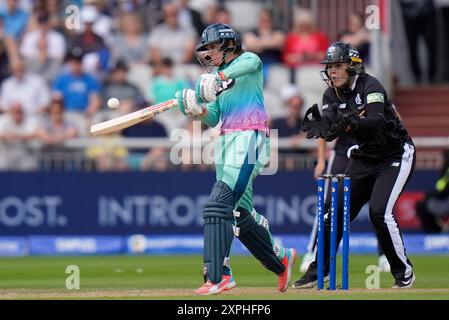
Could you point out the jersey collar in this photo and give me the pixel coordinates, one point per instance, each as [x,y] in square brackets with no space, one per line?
[224,65]
[355,82]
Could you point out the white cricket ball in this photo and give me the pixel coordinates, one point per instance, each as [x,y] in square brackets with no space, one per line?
[113,103]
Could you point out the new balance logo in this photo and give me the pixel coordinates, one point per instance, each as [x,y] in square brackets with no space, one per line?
[406,283]
[395,164]
[353,53]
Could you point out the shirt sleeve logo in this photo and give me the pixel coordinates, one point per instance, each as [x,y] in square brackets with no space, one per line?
[358,100]
[375,97]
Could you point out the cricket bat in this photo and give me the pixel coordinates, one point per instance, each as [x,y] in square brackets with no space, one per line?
[132,118]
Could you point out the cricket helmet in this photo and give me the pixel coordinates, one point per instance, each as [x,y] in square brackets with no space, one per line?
[220,33]
[340,52]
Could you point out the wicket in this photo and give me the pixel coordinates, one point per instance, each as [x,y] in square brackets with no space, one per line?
[335,180]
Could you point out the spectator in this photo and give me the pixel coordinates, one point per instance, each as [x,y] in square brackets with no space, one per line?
[136,5]
[130,44]
[15,19]
[434,209]
[304,45]
[96,54]
[17,131]
[109,154]
[217,13]
[43,49]
[103,23]
[30,90]
[420,21]
[289,127]
[190,18]
[357,36]
[118,87]
[165,84]
[80,91]
[151,10]
[164,87]
[265,41]
[168,39]
[55,130]
[4,59]
[56,15]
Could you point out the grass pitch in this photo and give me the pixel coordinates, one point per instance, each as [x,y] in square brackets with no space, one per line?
[176,277]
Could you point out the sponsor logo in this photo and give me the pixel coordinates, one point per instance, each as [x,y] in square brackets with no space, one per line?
[137,243]
[395,164]
[407,282]
[33,211]
[353,53]
[330,52]
[84,245]
[375,97]
[226,30]
[436,243]
[342,106]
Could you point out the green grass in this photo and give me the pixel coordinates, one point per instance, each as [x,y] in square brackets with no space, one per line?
[126,276]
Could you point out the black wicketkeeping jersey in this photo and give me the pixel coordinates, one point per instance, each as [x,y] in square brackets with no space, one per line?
[364,91]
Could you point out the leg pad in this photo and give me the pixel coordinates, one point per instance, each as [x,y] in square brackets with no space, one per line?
[256,237]
[218,230]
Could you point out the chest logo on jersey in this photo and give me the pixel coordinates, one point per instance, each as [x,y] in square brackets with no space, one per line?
[225,85]
[358,100]
[342,106]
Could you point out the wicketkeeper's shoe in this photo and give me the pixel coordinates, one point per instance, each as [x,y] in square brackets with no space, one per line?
[288,262]
[309,279]
[227,283]
[405,283]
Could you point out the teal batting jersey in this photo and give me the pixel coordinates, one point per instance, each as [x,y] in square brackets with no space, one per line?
[242,106]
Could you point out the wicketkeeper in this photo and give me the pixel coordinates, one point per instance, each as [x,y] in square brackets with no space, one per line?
[232,93]
[381,163]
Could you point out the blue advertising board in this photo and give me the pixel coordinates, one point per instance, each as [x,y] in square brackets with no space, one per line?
[152,203]
[359,243]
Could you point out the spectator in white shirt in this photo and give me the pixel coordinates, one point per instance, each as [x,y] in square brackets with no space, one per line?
[56,129]
[30,90]
[43,49]
[17,132]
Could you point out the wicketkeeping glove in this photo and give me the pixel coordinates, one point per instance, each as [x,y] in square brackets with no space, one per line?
[313,123]
[343,123]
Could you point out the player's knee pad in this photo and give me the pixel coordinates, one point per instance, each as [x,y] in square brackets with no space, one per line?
[218,229]
[256,237]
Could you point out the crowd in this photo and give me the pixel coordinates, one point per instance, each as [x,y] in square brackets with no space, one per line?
[59,66]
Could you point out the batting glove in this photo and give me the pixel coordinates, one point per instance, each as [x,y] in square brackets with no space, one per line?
[207,87]
[188,103]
